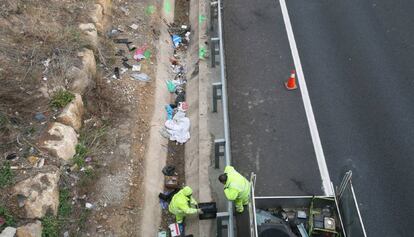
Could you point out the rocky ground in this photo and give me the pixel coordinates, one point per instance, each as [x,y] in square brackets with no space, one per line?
[73,134]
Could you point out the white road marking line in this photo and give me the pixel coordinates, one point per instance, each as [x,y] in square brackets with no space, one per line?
[320,157]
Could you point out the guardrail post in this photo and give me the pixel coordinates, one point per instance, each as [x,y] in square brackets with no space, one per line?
[217,95]
[218,151]
[222,223]
[214,51]
[213,15]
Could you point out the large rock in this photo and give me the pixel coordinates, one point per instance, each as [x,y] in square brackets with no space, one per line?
[91,34]
[40,194]
[79,80]
[71,115]
[88,62]
[97,16]
[60,140]
[8,232]
[30,230]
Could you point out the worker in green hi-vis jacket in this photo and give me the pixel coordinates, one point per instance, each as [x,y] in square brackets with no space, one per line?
[183,204]
[236,187]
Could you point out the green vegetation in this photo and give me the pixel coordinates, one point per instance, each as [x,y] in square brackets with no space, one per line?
[8,217]
[51,226]
[61,99]
[6,175]
[65,205]
[81,153]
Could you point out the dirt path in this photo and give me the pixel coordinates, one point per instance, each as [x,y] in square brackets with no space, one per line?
[118,192]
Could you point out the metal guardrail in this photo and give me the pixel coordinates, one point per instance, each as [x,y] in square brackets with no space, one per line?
[223,96]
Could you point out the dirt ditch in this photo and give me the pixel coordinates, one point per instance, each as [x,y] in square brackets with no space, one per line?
[175,151]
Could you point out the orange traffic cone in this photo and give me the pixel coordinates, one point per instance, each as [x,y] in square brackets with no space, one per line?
[291,82]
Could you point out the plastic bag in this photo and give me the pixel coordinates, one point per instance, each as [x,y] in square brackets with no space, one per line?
[170,86]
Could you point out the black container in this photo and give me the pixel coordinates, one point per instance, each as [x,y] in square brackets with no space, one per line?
[209,210]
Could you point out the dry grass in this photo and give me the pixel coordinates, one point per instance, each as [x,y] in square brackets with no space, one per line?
[33,32]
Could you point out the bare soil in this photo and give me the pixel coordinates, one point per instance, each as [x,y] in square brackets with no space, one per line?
[117,192]
[118,114]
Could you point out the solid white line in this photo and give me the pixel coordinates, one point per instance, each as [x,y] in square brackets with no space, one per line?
[320,157]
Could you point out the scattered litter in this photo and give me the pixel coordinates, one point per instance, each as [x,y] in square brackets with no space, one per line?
[178,69]
[88,205]
[12,156]
[40,163]
[88,159]
[176,40]
[125,10]
[183,106]
[147,54]
[168,170]
[2,221]
[131,47]
[113,33]
[179,127]
[66,234]
[116,72]
[170,112]
[170,86]
[46,64]
[122,41]
[187,36]
[175,230]
[162,234]
[173,61]
[180,95]
[39,116]
[139,53]
[33,160]
[140,76]
[124,70]
[134,26]
[184,27]
[136,68]
[125,64]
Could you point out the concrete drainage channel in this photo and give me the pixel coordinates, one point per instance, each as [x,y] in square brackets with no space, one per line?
[192,163]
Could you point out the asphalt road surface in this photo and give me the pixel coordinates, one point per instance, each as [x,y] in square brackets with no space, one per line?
[357,59]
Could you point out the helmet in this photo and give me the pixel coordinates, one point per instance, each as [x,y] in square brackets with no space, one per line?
[187,191]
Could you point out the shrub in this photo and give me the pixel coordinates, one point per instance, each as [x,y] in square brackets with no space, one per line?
[51,226]
[6,175]
[8,217]
[65,205]
[61,99]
